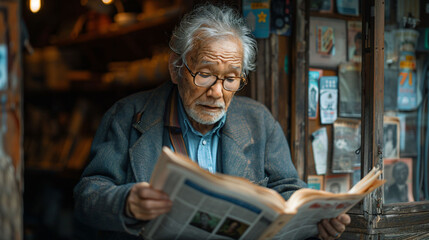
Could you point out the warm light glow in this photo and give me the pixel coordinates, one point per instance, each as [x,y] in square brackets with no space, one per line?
[35,5]
[107,1]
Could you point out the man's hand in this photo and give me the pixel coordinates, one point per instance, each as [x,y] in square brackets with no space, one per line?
[146,203]
[333,228]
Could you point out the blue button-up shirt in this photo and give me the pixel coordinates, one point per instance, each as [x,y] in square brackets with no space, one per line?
[201,148]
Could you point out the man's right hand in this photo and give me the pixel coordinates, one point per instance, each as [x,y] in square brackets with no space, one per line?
[146,203]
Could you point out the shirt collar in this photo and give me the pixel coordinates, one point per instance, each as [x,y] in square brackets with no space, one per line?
[186,126]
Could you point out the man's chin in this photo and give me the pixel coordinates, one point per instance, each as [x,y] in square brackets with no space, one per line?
[207,118]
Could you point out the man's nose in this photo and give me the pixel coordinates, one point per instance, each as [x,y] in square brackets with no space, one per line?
[216,90]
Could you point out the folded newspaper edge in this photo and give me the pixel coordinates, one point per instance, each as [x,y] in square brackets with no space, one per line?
[207,205]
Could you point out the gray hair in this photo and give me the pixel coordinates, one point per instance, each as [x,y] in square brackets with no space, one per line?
[211,22]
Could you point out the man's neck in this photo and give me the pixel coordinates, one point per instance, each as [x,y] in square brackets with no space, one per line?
[202,128]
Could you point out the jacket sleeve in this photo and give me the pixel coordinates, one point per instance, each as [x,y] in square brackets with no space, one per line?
[282,174]
[102,190]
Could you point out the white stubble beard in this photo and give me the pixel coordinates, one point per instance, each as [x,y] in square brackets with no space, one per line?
[195,115]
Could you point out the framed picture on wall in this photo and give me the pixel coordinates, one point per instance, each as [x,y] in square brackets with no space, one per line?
[328,42]
[337,183]
[391,137]
[398,174]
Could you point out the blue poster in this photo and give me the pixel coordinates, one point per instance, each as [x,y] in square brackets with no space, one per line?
[407,81]
[257,15]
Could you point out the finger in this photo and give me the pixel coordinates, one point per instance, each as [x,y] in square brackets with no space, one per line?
[344,218]
[338,226]
[144,191]
[152,204]
[322,232]
[329,228]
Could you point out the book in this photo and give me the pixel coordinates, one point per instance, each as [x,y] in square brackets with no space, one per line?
[217,206]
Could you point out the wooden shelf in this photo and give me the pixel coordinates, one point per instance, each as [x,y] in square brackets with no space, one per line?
[336,15]
[163,20]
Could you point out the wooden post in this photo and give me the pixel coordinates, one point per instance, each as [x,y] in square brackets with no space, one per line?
[299,103]
[11,164]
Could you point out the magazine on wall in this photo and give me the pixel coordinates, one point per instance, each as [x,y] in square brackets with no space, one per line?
[313,92]
[354,41]
[391,136]
[350,88]
[217,206]
[346,142]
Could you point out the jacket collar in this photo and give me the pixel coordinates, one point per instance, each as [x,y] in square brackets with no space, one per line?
[155,104]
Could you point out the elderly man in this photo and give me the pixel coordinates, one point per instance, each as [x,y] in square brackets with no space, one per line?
[195,114]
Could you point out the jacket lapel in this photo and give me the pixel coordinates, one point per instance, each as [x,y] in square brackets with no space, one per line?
[145,151]
[236,137]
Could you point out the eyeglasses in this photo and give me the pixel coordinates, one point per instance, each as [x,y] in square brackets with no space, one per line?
[203,79]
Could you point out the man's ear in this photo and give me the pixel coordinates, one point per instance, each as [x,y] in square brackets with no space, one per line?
[172,68]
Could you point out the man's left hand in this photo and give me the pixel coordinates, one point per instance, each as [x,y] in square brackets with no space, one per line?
[333,228]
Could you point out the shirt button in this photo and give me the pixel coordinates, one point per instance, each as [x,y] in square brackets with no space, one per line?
[204,142]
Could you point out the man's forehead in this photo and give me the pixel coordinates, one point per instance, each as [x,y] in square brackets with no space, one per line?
[208,63]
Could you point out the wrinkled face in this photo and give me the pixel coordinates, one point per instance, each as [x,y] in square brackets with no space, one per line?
[221,57]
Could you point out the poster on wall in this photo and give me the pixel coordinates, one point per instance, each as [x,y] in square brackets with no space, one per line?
[257,15]
[328,40]
[398,174]
[328,99]
[406,43]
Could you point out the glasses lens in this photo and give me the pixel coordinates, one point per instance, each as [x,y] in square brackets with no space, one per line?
[232,83]
[203,79]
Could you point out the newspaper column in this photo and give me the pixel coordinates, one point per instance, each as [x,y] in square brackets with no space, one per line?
[10,125]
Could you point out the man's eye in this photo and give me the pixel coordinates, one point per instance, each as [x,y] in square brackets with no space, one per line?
[204,75]
[231,79]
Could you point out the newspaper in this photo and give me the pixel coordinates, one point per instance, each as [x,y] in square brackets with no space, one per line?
[217,206]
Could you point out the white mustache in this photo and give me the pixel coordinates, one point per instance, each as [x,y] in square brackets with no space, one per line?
[212,104]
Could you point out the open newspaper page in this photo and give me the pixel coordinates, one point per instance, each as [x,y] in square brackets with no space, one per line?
[204,207]
[313,205]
